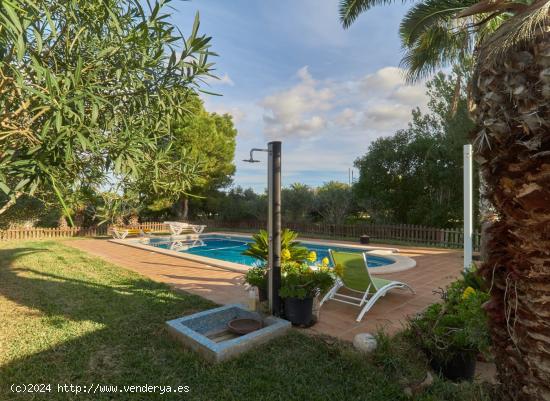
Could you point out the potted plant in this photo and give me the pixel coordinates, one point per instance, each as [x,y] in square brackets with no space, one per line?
[455,332]
[300,284]
[257,277]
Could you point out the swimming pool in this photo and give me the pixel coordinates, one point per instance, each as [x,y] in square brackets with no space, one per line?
[230,248]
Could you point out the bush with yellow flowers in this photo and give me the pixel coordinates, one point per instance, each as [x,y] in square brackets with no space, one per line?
[456,325]
[301,280]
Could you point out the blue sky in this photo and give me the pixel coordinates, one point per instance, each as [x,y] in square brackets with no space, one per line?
[288,71]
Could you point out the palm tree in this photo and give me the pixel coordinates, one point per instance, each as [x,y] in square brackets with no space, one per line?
[431,36]
[511,93]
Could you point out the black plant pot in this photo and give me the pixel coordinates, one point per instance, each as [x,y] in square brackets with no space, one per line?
[299,311]
[262,294]
[461,366]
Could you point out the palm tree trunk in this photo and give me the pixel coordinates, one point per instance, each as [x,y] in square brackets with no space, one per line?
[512,111]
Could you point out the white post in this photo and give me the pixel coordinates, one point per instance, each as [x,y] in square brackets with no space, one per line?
[468,201]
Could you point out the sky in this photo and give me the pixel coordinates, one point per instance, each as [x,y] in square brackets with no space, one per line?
[288,71]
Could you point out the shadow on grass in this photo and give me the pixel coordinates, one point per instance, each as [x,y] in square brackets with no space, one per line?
[74,319]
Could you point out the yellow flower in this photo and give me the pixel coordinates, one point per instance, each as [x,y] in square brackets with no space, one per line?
[285,254]
[324,261]
[312,256]
[468,292]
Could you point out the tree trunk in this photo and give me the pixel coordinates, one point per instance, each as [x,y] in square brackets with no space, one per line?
[62,222]
[456,94]
[182,208]
[133,220]
[513,139]
[10,203]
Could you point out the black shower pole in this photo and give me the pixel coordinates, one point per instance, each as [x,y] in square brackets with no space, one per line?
[273,221]
[274,225]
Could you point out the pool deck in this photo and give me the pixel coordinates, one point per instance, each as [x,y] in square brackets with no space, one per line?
[435,269]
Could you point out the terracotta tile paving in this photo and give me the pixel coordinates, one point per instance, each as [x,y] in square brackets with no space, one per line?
[435,268]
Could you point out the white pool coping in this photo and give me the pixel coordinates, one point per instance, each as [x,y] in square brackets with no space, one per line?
[401,263]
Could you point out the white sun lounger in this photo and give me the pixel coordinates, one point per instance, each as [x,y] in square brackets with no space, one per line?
[122,233]
[185,245]
[177,227]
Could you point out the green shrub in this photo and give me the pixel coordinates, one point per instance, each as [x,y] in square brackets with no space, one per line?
[257,277]
[457,325]
[470,278]
[30,211]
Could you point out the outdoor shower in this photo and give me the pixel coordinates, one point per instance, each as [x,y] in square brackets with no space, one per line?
[273,221]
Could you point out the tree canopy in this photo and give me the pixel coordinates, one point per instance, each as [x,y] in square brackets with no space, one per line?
[209,139]
[333,202]
[89,89]
[298,200]
[415,176]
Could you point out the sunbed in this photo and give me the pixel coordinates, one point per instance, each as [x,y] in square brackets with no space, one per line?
[354,275]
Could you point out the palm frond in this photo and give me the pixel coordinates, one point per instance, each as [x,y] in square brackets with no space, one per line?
[491,6]
[436,48]
[350,9]
[517,30]
[425,15]
[490,26]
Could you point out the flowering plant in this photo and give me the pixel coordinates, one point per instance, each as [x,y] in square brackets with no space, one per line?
[300,280]
[458,325]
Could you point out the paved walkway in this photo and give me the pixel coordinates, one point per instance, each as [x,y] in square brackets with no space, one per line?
[435,268]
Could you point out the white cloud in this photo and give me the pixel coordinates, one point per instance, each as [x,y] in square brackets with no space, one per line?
[347,117]
[225,79]
[298,109]
[387,117]
[411,95]
[385,100]
[238,114]
[379,101]
[386,78]
[324,124]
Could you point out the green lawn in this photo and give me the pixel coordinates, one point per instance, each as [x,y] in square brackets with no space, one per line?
[67,317]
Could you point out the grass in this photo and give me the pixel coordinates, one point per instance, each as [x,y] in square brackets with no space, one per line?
[68,318]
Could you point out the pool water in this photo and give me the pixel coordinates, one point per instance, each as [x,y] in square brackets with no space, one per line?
[230,249]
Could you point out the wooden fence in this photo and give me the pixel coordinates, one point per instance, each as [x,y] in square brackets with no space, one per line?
[406,233]
[24,233]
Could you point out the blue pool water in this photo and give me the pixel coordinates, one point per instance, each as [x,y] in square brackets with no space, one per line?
[230,248]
